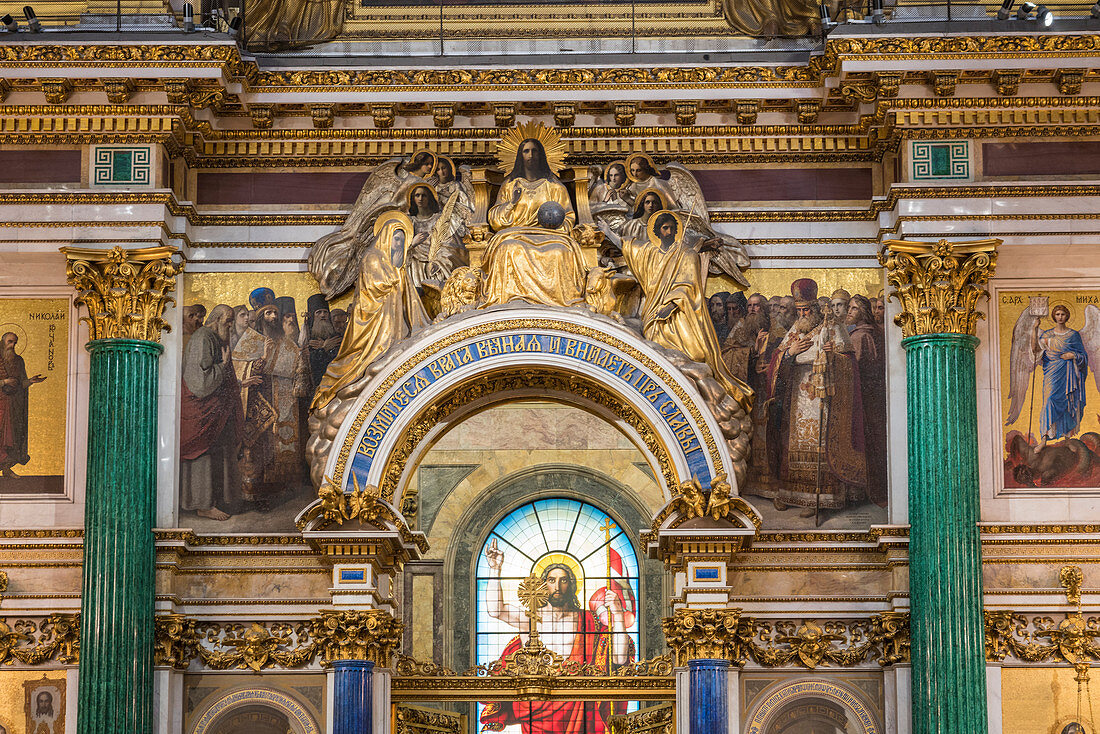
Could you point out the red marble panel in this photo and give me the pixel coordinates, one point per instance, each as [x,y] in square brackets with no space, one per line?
[786,184]
[39,166]
[1041,159]
[216,187]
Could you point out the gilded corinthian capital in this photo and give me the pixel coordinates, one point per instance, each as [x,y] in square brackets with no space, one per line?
[357,635]
[704,634]
[125,291]
[939,284]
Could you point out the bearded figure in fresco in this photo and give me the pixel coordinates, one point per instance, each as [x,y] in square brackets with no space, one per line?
[14,402]
[816,438]
[580,636]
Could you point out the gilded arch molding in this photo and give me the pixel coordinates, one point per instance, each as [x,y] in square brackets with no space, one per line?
[571,353]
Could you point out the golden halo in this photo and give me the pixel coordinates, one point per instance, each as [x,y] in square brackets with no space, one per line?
[631,157]
[386,217]
[566,560]
[508,147]
[654,239]
[652,190]
[1051,306]
[20,334]
[435,159]
[408,197]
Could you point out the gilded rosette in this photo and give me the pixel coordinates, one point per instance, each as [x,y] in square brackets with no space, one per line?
[704,634]
[939,284]
[126,291]
[357,635]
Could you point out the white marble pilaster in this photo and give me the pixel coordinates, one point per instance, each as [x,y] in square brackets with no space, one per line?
[168,415]
[330,698]
[168,703]
[683,700]
[993,698]
[896,685]
[733,696]
[380,706]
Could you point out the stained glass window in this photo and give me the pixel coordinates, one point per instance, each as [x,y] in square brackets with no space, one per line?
[596,572]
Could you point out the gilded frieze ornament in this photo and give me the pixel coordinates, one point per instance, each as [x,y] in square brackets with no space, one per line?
[256,647]
[443,115]
[263,116]
[55,639]
[412,720]
[747,111]
[357,635]
[175,642]
[1070,578]
[704,634]
[126,291]
[939,284]
[888,83]
[504,115]
[686,113]
[383,115]
[323,115]
[943,82]
[808,110]
[565,114]
[1007,82]
[1074,640]
[56,90]
[652,720]
[177,90]
[625,114]
[118,90]
[1069,81]
[5,89]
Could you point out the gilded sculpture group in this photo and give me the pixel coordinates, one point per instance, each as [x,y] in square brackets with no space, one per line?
[407,243]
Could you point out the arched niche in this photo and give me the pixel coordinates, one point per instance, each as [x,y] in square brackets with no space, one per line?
[265,702]
[779,699]
[496,356]
[520,488]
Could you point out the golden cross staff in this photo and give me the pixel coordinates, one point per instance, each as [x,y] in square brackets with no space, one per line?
[607,527]
[534,592]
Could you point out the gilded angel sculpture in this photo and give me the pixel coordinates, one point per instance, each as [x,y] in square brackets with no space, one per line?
[680,192]
[334,259]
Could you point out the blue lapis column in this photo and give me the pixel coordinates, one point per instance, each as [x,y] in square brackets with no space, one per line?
[709,696]
[351,712]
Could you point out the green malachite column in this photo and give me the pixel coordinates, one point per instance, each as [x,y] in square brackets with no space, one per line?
[939,286]
[125,292]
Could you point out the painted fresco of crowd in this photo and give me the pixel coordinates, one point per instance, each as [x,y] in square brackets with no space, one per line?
[249,374]
[817,366]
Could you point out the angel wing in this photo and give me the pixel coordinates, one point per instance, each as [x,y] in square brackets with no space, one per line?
[1022,358]
[689,196]
[334,259]
[1090,336]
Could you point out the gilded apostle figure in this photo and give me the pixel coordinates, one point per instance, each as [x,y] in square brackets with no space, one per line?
[675,314]
[386,307]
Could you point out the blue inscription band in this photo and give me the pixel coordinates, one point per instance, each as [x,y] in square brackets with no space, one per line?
[626,374]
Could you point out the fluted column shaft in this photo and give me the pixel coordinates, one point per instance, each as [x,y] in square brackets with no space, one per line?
[945,564]
[116,603]
[353,697]
[708,698]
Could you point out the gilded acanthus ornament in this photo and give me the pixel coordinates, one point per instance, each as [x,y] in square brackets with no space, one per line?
[1075,639]
[33,642]
[1070,578]
[412,720]
[939,284]
[890,631]
[256,647]
[323,115]
[1069,81]
[357,635]
[704,634]
[126,291]
[1007,82]
[175,642]
[652,720]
